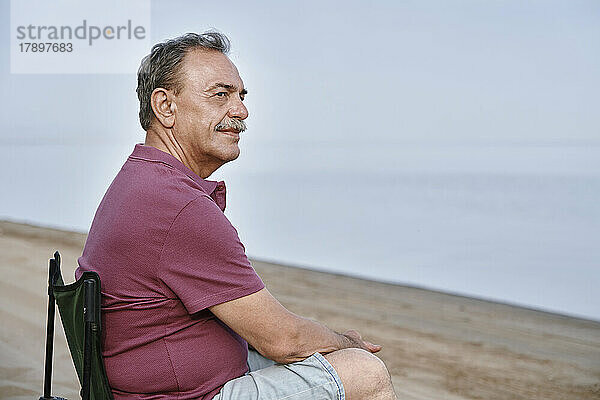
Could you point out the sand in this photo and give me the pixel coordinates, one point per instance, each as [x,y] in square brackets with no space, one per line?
[436,345]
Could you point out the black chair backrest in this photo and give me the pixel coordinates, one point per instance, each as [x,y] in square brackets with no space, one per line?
[79,308]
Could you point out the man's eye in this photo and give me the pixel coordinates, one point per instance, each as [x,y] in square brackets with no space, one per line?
[221,94]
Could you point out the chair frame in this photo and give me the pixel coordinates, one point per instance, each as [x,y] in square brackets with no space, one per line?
[90,323]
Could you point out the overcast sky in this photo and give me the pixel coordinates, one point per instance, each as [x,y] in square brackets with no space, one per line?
[352,74]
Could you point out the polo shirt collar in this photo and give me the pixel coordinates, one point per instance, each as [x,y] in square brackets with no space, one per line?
[214,189]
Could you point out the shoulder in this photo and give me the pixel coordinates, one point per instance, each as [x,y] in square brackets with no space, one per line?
[153,187]
[158,177]
[200,217]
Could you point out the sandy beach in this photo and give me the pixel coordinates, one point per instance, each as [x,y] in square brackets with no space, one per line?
[436,345]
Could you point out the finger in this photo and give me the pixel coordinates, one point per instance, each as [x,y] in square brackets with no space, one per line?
[373,348]
[353,333]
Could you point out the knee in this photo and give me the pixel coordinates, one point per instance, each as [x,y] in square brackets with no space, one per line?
[367,363]
[360,371]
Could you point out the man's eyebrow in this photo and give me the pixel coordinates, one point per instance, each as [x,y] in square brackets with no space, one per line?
[227,86]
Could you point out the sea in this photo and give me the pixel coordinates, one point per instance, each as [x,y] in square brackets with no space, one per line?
[518,224]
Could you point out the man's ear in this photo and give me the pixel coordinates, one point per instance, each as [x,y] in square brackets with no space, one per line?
[163,106]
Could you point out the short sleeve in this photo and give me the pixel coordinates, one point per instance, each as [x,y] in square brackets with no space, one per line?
[203,260]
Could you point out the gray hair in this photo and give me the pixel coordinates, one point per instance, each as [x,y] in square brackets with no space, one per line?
[162,67]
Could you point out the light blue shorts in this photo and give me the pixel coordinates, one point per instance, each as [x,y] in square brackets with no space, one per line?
[313,378]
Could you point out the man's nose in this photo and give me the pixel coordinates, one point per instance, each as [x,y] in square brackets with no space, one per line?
[238,110]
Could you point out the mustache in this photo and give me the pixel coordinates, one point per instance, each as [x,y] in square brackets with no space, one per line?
[231,123]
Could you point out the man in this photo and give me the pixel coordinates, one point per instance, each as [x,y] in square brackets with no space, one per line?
[180,299]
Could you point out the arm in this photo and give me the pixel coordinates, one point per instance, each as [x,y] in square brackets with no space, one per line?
[202,236]
[279,334]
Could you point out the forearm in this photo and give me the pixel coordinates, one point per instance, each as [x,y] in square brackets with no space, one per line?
[308,337]
[279,334]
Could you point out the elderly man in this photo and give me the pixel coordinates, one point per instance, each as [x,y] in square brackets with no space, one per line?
[181,301]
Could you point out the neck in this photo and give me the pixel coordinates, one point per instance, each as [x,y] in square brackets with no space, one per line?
[164,140]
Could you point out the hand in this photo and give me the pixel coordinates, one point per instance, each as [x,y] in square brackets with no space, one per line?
[358,342]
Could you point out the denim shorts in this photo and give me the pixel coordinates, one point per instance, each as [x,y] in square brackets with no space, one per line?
[314,379]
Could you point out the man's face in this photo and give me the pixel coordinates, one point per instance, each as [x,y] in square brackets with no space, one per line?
[209,108]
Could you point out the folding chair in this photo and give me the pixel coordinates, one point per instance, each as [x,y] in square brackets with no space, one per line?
[79,308]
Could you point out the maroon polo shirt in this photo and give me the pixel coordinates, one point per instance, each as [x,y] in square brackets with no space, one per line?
[165,252]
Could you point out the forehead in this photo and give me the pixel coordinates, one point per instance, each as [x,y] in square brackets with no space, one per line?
[202,68]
